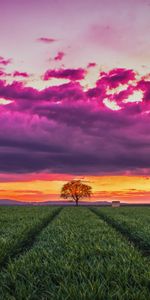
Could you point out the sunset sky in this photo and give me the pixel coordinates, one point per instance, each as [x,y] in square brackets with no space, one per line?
[75,98]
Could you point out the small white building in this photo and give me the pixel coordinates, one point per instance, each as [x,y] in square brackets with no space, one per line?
[115,204]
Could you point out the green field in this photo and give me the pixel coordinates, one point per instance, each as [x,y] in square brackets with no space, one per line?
[74,253]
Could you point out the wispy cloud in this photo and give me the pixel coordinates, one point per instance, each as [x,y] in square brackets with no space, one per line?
[5,62]
[91,65]
[59,55]
[20,74]
[46,40]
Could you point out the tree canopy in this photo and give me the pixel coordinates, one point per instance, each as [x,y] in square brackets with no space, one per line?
[76,190]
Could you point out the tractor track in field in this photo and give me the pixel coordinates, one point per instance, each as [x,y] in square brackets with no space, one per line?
[26,244]
[134,240]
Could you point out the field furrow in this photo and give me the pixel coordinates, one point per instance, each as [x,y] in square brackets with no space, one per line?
[77,257]
[19,226]
[131,222]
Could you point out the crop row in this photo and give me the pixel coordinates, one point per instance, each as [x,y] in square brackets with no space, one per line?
[18,225]
[141,214]
[130,221]
[77,256]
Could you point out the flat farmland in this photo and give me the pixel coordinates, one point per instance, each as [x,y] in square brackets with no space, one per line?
[134,222]
[19,225]
[74,253]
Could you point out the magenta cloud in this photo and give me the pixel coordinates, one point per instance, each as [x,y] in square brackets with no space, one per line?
[71,74]
[116,77]
[144,85]
[2,73]
[91,65]
[46,40]
[20,74]
[68,129]
[59,56]
[5,62]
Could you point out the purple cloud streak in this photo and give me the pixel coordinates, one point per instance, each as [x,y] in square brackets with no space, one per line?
[72,74]
[20,74]
[46,40]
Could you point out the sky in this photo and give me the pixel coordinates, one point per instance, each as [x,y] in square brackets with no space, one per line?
[75,98]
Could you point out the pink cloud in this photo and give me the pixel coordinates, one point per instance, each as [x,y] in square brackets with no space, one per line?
[2,73]
[4,61]
[116,77]
[59,56]
[46,40]
[91,65]
[20,74]
[144,85]
[25,97]
[71,74]
[74,91]
[123,95]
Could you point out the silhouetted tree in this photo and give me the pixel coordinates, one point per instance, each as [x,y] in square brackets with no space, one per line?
[76,190]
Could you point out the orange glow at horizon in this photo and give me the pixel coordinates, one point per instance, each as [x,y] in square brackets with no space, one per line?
[105,188]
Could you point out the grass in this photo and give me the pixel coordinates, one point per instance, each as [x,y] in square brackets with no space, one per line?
[134,222]
[19,226]
[77,256]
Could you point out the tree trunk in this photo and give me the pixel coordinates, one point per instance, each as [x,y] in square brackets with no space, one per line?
[77,202]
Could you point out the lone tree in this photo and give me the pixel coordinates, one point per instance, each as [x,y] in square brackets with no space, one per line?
[76,191]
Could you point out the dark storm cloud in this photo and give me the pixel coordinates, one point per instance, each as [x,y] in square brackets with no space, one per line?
[66,129]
